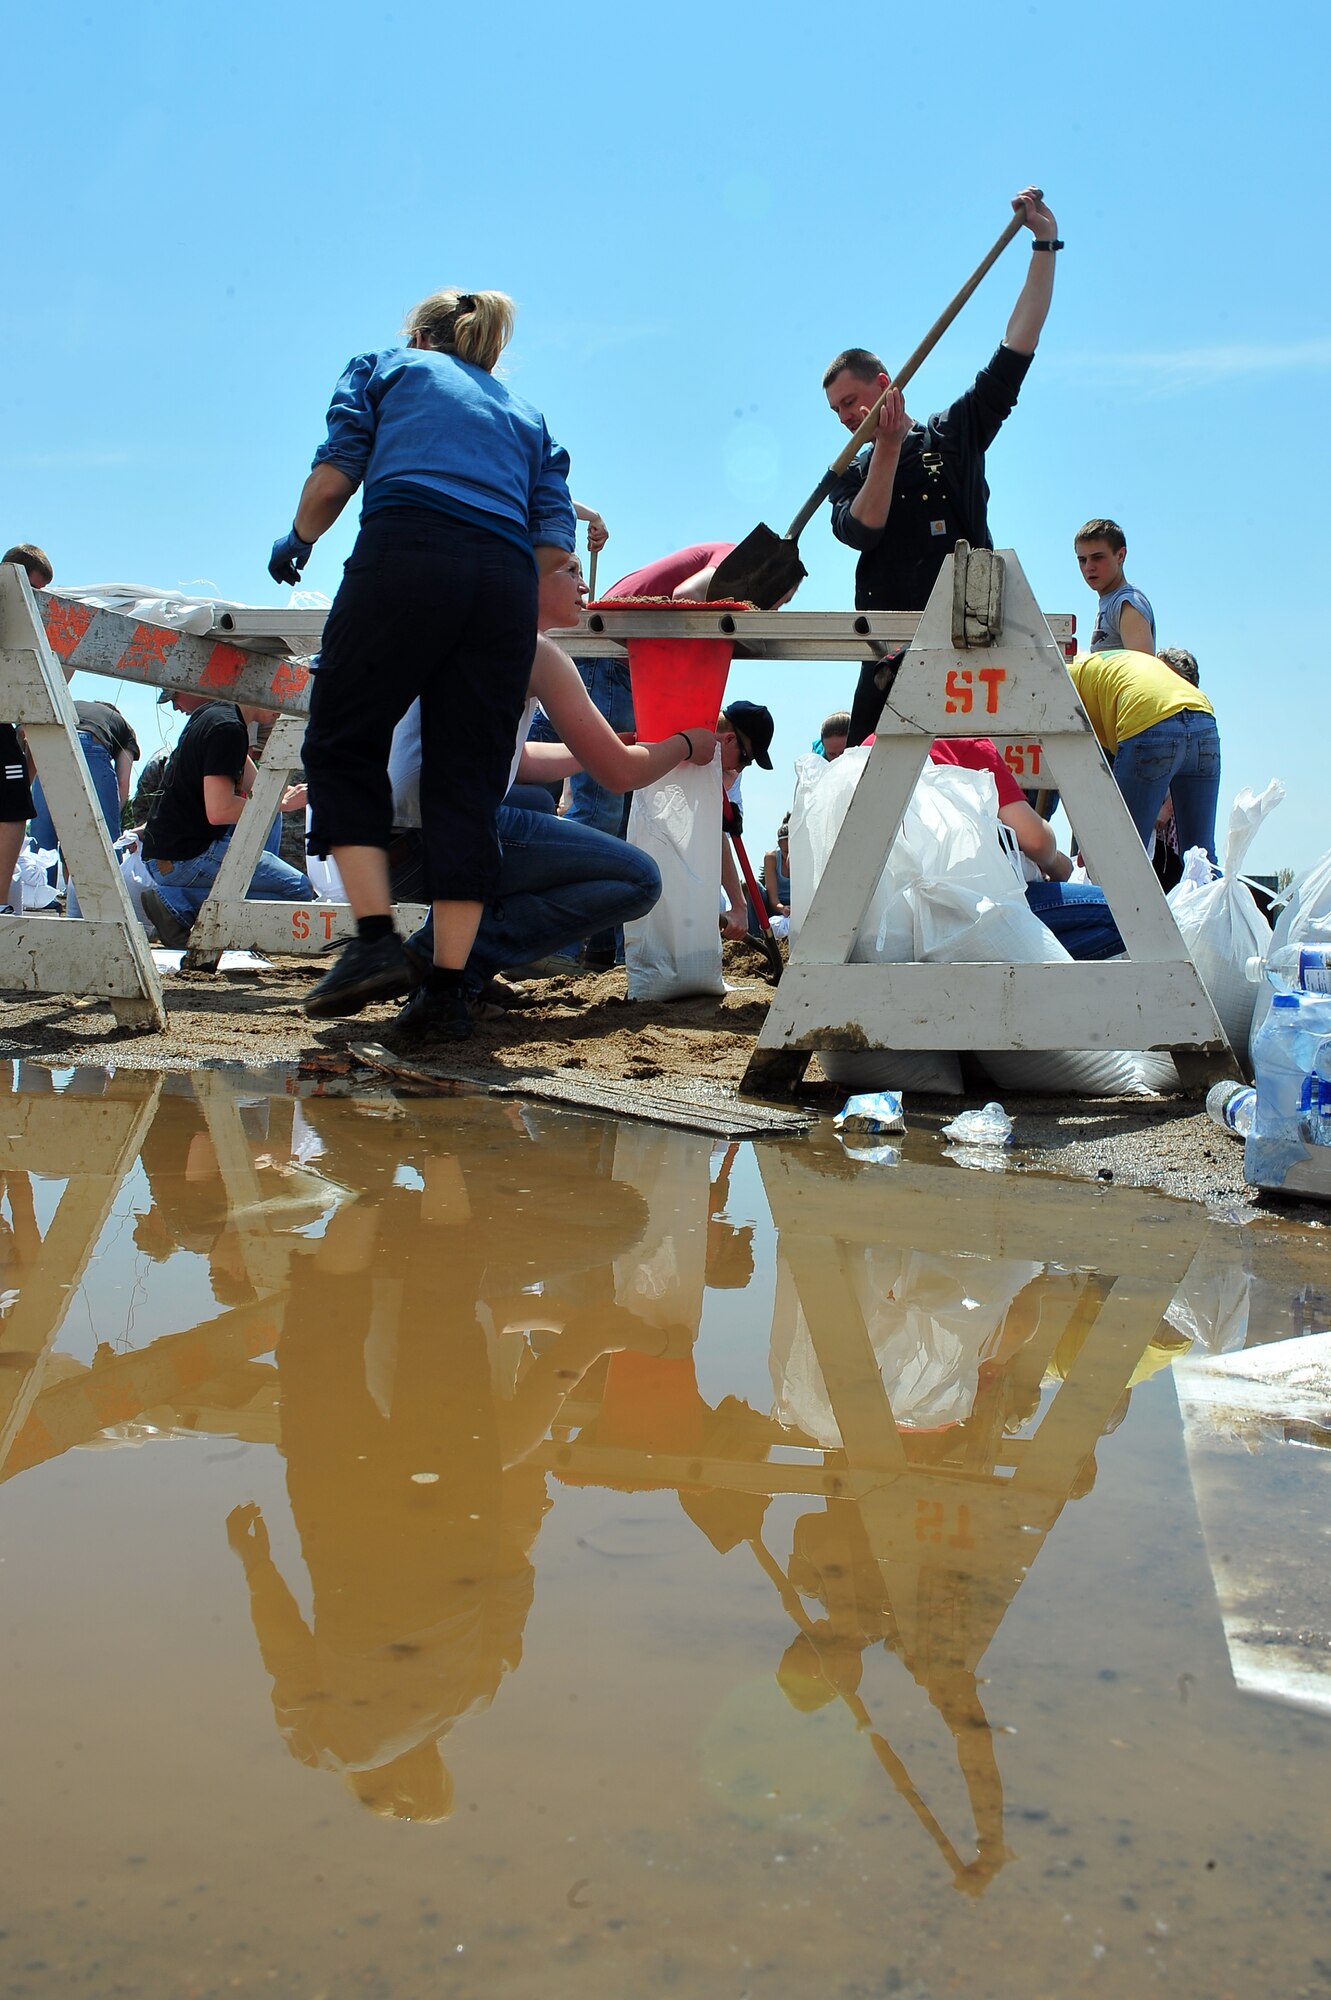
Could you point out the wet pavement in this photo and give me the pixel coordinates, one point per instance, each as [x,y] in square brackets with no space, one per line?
[452,1547]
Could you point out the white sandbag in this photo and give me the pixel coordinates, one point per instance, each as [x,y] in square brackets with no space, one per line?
[32,889]
[1219,919]
[1305,919]
[1082,1072]
[934,1070]
[675,950]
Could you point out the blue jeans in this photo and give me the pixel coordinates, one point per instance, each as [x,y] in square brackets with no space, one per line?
[590,802]
[558,883]
[1078,916]
[102,771]
[1181,756]
[185,885]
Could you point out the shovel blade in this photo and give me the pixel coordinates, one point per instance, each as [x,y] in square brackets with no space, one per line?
[762,569]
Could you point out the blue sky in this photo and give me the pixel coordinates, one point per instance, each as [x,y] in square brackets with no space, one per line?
[213,207]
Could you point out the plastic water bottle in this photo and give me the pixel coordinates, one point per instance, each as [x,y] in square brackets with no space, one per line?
[1295,968]
[1232,1106]
[1291,1056]
[1315,1111]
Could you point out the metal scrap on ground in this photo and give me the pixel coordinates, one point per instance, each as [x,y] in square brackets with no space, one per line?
[657,1107]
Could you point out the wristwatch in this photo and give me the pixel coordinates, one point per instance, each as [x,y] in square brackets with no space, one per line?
[1047,243]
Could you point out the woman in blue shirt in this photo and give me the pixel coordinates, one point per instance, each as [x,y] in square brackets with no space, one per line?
[465,494]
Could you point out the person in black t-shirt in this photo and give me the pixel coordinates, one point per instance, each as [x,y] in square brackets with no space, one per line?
[207,783]
[110,751]
[918,489]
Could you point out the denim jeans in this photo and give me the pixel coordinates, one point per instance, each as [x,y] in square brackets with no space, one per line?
[590,802]
[558,883]
[186,885]
[102,771]
[1181,756]
[1078,916]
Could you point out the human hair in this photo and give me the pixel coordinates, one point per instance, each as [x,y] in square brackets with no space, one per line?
[1102,531]
[1182,661]
[31,558]
[836,725]
[858,361]
[476,326]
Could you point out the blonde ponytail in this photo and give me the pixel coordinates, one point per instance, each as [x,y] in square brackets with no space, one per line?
[476,326]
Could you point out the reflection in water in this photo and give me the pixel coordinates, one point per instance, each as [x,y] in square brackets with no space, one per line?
[452,1320]
[409,1409]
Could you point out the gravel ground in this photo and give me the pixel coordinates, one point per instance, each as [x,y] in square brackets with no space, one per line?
[585,1027]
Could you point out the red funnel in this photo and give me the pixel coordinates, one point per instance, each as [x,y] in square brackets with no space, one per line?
[677,683]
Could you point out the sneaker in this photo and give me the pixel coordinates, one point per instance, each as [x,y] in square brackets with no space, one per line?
[367,969]
[171,930]
[433,1017]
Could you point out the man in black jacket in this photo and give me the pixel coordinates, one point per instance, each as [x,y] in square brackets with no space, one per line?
[918,489]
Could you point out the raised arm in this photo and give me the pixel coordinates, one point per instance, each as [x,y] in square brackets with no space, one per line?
[1032,307]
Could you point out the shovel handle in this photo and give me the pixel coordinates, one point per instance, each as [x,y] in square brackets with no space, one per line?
[930,341]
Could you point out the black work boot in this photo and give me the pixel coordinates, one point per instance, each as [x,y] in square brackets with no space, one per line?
[171,930]
[431,1016]
[367,969]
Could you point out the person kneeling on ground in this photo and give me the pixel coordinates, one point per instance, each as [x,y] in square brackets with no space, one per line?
[207,785]
[559,881]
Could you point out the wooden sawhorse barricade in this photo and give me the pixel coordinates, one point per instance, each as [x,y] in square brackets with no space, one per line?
[43,636]
[984,662]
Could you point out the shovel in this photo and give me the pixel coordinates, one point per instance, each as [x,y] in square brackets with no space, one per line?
[764,568]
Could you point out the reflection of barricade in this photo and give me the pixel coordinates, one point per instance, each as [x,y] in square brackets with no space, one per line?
[925,1534]
[44,1135]
[92,1144]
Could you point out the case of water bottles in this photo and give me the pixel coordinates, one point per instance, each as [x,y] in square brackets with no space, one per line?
[1288,1145]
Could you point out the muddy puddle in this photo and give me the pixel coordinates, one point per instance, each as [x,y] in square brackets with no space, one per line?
[453,1548]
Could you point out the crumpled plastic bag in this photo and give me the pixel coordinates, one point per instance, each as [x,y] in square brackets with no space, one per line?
[988,1127]
[1219,919]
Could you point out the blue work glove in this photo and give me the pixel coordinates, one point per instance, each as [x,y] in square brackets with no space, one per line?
[289,557]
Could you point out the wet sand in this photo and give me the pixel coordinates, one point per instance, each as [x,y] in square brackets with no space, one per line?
[584,1027]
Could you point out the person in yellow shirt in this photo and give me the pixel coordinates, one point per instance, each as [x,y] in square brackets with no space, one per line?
[1161,736]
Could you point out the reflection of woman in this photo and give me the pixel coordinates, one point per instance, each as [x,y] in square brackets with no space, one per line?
[463,487]
[410,1411]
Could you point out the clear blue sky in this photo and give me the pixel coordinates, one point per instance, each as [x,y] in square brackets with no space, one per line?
[213,207]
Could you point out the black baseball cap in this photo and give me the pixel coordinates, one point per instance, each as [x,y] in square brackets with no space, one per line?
[756,723]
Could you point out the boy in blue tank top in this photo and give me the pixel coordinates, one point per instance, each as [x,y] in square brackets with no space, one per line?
[1124,620]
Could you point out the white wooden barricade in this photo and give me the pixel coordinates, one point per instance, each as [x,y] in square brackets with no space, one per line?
[105,952]
[985,663]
